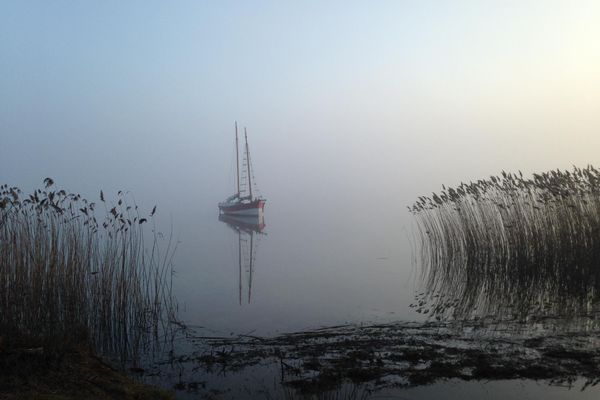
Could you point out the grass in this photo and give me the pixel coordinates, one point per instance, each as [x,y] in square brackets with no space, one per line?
[510,245]
[73,271]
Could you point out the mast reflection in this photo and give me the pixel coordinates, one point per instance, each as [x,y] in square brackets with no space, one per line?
[246,227]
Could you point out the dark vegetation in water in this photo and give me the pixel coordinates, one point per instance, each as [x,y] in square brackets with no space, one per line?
[407,355]
[75,273]
[512,246]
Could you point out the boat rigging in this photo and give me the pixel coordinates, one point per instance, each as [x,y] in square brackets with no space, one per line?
[237,204]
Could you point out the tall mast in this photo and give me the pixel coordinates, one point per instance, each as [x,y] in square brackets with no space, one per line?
[237,160]
[248,164]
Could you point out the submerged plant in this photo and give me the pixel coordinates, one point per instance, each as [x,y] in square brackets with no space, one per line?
[512,246]
[73,270]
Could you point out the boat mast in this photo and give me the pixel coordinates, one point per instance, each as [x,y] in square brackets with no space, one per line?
[237,160]
[248,164]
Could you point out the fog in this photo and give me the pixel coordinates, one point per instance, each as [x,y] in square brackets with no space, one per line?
[353,110]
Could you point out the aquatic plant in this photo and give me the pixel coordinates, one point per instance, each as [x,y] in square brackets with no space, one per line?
[72,270]
[512,246]
[355,361]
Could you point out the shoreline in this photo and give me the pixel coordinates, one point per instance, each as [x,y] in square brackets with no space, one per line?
[74,374]
[408,355]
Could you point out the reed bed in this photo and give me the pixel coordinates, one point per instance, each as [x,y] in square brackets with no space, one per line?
[512,246]
[72,270]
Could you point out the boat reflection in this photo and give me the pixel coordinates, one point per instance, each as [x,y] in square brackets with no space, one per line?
[246,228]
[247,224]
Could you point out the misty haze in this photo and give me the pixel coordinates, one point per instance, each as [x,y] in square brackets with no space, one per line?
[322,200]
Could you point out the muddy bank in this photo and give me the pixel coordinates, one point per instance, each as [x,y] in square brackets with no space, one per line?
[27,373]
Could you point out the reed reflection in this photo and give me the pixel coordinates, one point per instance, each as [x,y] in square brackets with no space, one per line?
[246,227]
[512,248]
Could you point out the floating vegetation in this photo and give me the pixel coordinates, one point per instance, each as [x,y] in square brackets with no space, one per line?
[512,246]
[74,271]
[404,355]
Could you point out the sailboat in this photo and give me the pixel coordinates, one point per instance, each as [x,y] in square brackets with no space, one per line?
[237,204]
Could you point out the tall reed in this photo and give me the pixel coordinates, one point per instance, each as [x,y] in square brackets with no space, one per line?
[510,245]
[72,270]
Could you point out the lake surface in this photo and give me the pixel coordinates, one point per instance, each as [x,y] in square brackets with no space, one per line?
[315,263]
[312,267]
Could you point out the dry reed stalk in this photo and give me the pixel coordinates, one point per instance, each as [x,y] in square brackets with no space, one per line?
[68,275]
[514,247]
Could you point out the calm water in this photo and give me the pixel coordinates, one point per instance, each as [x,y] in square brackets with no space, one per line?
[313,265]
[317,262]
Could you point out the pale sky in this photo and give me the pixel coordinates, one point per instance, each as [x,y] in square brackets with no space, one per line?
[380,98]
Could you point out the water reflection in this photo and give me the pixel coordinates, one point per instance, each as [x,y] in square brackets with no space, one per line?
[246,227]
